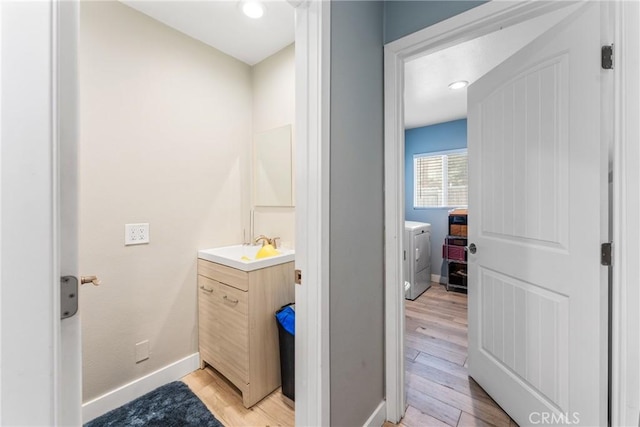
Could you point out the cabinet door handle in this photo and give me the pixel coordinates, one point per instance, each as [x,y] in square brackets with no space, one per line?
[205,289]
[232,301]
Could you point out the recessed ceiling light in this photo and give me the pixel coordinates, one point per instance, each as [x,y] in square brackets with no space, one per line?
[253,9]
[460,84]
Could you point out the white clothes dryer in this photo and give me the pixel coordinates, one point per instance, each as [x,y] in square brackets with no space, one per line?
[417,258]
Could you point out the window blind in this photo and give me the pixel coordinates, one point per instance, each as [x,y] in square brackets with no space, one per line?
[441,180]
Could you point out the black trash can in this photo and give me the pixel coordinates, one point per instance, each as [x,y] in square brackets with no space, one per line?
[286,319]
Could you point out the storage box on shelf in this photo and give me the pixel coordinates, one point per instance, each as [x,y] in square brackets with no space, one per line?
[458,222]
[454,250]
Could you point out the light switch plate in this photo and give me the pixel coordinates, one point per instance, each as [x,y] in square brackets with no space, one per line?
[136,234]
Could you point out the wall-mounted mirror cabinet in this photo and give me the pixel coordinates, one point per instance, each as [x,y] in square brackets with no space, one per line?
[272,167]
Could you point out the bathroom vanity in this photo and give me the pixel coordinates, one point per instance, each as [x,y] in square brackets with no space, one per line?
[238,334]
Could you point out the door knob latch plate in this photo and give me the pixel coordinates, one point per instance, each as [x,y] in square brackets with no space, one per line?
[68,296]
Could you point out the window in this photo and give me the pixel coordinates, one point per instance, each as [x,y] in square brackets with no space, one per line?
[440,179]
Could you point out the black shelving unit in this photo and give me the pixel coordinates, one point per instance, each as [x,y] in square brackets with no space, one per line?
[454,250]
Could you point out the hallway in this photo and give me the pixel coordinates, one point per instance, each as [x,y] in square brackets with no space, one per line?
[439,392]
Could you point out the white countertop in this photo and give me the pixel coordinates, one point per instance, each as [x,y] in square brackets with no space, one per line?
[231,256]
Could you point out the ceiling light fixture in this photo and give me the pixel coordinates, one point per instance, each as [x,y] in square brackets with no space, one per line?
[253,9]
[460,84]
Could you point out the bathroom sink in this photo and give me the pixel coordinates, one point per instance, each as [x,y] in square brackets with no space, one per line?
[243,257]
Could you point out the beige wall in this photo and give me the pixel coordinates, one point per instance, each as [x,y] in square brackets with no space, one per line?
[274,106]
[165,134]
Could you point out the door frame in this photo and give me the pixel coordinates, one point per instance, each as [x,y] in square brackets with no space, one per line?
[30,197]
[476,22]
[625,297]
[313,53]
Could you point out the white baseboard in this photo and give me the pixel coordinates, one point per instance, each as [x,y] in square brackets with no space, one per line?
[128,392]
[438,279]
[378,417]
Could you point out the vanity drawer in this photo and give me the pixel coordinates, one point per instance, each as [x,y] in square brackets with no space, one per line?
[223,274]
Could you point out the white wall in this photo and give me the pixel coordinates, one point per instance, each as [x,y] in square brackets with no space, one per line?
[274,106]
[165,132]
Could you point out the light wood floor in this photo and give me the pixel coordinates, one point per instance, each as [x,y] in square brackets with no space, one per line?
[225,402]
[439,391]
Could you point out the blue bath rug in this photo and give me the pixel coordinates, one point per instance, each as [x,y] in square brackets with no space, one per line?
[172,405]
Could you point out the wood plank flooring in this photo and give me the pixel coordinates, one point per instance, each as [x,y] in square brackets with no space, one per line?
[225,402]
[439,390]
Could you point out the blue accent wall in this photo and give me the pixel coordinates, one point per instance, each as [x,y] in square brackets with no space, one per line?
[405,17]
[430,139]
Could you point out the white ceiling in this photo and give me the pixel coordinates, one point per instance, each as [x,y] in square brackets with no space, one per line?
[222,25]
[428,99]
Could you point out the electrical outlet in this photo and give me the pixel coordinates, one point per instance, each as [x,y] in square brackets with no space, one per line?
[136,234]
[142,351]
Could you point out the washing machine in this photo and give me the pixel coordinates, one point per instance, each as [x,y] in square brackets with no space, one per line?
[417,258]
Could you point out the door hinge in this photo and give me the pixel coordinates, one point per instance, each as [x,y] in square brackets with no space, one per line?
[298,277]
[607,57]
[68,296]
[605,254]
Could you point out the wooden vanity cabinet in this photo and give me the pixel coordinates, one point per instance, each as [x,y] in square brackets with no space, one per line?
[238,334]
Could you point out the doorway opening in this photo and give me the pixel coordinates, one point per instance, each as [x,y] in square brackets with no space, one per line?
[443,340]
[192,121]
[436,193]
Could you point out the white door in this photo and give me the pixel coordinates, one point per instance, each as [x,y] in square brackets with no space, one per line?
[537,211]
[40,360]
